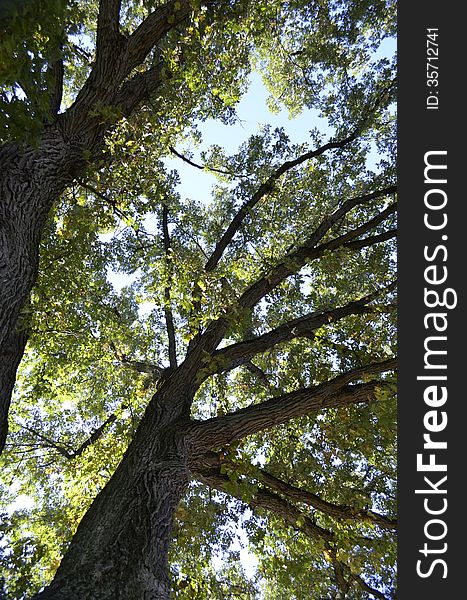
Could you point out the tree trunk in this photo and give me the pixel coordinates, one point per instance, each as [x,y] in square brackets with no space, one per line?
[120,549]
[30,182]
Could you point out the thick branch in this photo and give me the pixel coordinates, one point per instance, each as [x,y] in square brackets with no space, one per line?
[152,29]
[56,70]
[212,336]
[116,59]
[235,355]
[264,189]
[140,86]
[167,307]
[291,515]
[214,460]
[221,431]
[108,25]
[335,510]
[269,501]
[310,251]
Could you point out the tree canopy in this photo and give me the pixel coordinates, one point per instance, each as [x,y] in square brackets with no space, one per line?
[240,390]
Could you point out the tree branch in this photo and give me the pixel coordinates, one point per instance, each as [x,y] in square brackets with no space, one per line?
[116,58]
[140,86]
[266,188]
[364,585]
[293,261]
[269,501]
[108,30]
[95,435]
[152,29]
[50,443]
[203,167]
[139,366]
[167,306]
[71,454]
[55,72]
[103,197]
[235,355]
[338,511]
[259,373]
[224,430]
[214,460]
[291,515]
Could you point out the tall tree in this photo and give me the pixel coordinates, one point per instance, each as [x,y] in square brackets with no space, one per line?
[250,364]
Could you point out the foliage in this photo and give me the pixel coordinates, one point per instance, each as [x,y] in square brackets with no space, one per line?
[96,355]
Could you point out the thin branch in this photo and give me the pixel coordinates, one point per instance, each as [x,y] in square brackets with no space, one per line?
[224,430]
[71,454]
[49,443]
[103,197]
[364,585]
[204,167]
[167,306]
[139,366]
[259,373]
[266,188]
[95,435]
[339,571]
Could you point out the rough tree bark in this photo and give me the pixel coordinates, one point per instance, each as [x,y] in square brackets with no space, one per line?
[30,182]
[121,545]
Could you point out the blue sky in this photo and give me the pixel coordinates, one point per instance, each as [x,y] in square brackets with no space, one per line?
[252,112]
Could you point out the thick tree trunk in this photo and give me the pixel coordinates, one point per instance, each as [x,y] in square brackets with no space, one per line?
[120,549]
[30,182]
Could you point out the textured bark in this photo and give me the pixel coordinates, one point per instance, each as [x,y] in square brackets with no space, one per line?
[211,464]
[224,430]
[296,519]
[120,549]
[30,182]
[235,355]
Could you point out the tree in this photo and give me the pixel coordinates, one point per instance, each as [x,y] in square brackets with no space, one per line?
[262,375]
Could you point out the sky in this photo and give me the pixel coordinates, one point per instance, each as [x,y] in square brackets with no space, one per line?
[252,112]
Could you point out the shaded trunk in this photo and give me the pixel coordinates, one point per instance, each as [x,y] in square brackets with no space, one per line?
[30,182]
[120,549]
